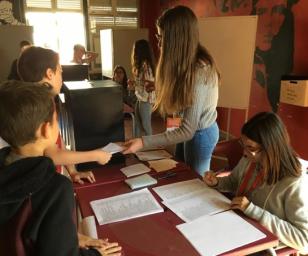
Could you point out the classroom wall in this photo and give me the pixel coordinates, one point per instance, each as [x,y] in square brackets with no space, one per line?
[281,48]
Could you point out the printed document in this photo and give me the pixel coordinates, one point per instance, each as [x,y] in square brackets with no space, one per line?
[125,206]
[178,189]
[200,203]
[192,199]
[216,234]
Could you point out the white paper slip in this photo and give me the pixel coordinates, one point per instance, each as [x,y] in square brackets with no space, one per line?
[162,164]
[113,148]
[125,206]
[152,155]
[135,169]
[178,189]
[219,233]
[190,207]
[88,227]
[141,181]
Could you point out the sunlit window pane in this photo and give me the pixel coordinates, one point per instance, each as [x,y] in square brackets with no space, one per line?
[58,31]
[44,29]
[70,32]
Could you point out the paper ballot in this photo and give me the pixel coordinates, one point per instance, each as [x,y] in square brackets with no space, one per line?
[200,203]
[135,169]
[152,155]
[113,148]
[192,199]
[163,164]
[88,227]
[213,235]
[178,189]
[125,206]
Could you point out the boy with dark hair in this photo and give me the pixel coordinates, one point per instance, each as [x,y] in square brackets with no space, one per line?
[29,124]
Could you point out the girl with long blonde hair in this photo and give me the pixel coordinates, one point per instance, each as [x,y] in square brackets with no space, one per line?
[186,86]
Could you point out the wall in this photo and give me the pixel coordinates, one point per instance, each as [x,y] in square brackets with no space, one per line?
[281,48]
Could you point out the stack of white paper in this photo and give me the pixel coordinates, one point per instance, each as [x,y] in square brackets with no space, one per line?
[140,181]
[152,155]
[163,164]
[135,169]
[213,235]
[125,206]
[192,199]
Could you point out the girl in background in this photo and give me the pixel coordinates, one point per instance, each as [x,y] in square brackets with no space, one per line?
[143,69]
[120,76]
[268,182]
[187,87]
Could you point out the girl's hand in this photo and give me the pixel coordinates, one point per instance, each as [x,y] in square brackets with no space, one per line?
[149,86]
[130,84]
[240,203]
[210,179]
[79,176]
[133,145]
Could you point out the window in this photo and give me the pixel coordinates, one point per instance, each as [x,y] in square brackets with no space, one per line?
[112,14]
[57,24]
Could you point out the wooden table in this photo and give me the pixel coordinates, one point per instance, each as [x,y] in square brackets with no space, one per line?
[155,234]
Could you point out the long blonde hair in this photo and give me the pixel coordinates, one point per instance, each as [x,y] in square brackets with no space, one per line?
[180,54]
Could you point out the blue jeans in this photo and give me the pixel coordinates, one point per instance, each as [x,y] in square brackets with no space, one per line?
[197,152]
[143,112]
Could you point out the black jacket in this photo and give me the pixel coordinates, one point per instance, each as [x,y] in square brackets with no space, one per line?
[51,228]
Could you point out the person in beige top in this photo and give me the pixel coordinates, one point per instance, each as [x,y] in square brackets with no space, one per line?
[268,183]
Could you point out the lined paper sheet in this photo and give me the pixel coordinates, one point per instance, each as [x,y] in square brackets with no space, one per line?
[135,169]
[125,206]
[178,189]
[152,155]
[200,203]
[213,235]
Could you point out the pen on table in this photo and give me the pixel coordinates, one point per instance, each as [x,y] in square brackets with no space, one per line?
[167,175]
